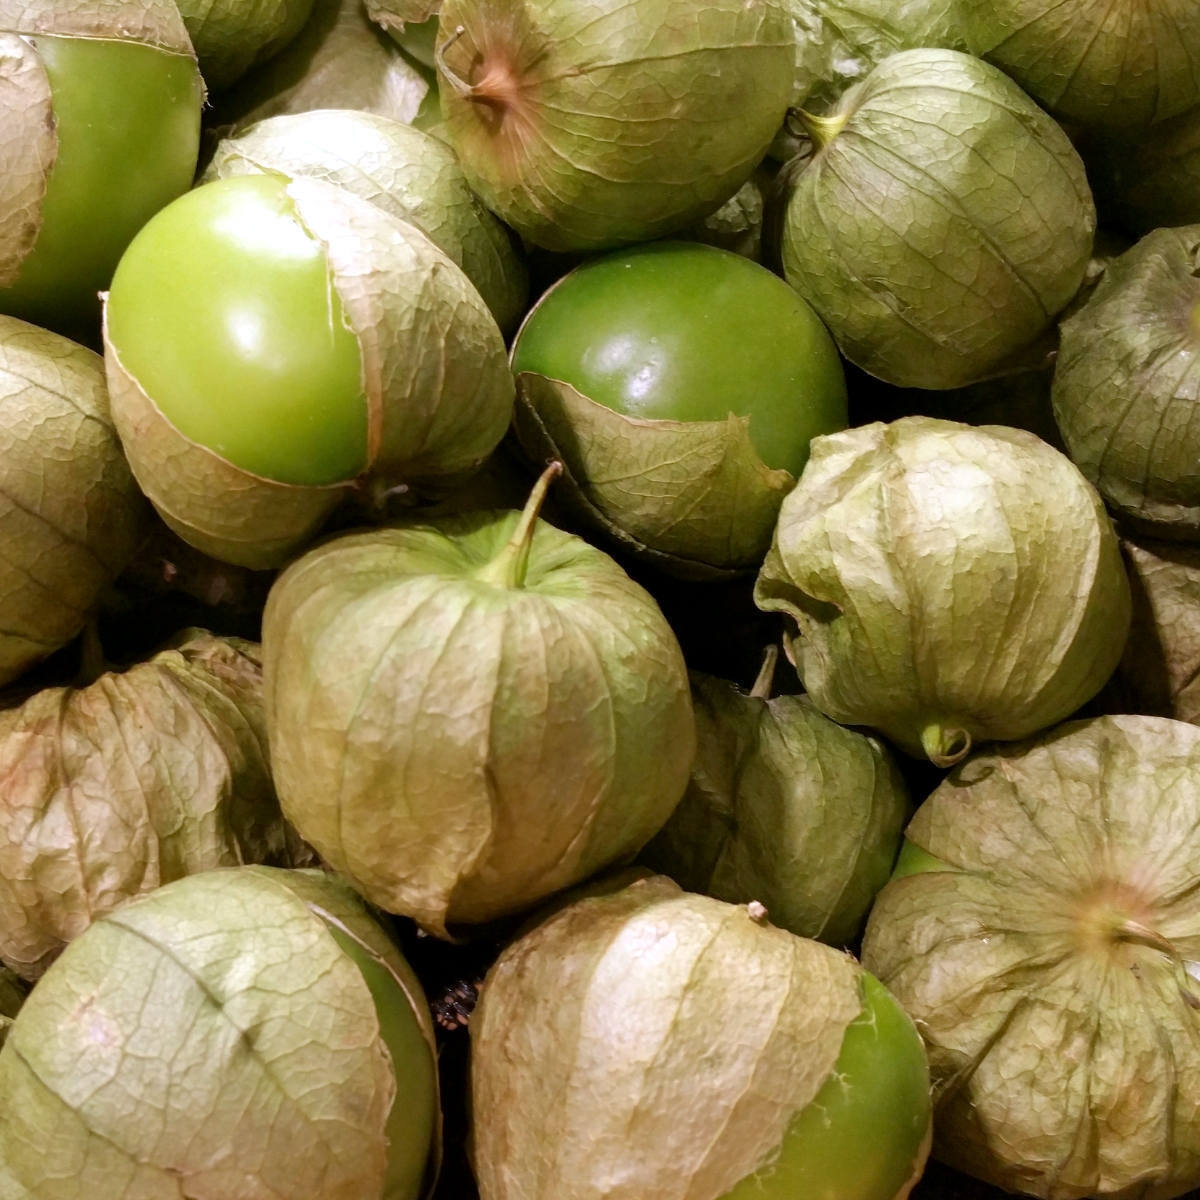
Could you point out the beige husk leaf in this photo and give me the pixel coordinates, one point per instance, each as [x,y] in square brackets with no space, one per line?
[27,148]
[151,22]
[649,1045]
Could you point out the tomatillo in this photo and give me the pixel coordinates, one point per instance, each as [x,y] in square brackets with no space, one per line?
[700,374]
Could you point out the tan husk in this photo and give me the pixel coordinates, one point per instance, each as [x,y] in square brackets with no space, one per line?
[649,1045]
[140,778]
[692,497]
[70,512]
[28,148]
[150,22]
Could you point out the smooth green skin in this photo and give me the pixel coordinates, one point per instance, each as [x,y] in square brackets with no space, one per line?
[412,1122]
[224,311]
[127,118]
[687,332]
[862,1137]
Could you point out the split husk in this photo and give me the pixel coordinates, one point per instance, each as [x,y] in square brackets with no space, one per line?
[592,125]
[786,807]
[910,229]
[468,715]
[1043,935]
[139,778]
[949,584]
[71,514]
[409,174]
[437,386]
[247,1032]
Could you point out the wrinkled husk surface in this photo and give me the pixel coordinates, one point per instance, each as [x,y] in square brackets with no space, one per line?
[784,807]
[691,497]
[70,512]
[142,777]
[1062,1067]
[619,127]
[231,36]
[1127,380]
[949,584]
[173,1050]
[410,174]
[459,749]
[590,1029]
[940,230]
[438,390]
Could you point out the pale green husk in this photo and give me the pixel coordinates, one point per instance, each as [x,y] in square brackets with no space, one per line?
[1127,379]
[649,1045]
[163,770]
[596,124]
[1042,954]
[941,223]
[438,389]
[410,174]
[786,807]
[460,746]
[70,512]
[1090,62]
[231,36]
[214,1039]
[948,584]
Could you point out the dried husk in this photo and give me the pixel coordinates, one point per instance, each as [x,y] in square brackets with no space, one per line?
[649,1045]
[459,747]
[338,60]
[1042,953]
[949,584]
[1126,382]
[1159,673]
[592,125]
[215,1038]
[410,174]
[786,807]
[1092,63]
[142,777]
[941,222]
[397,15]
[231,36]
[691,497]
[70,512]
[149,22]
[437,385]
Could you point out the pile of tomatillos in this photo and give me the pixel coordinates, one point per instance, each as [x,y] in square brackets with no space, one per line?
[599,599]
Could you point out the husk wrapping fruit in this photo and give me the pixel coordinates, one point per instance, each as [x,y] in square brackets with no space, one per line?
[941,222]
[140,778]
[70,512]
[1045,952]
[949,584]
[461,747]
[213,1038]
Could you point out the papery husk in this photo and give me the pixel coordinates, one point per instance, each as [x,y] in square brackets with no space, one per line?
[1091,63]
[398,14]
[149,22]
[338,60]
[223,1005]
[786,807]
[140,778]
[703,1030]
[438,390]
[1159,673]
[1127,380]
[232,36]
[410,174]
[460,749]
[949,584]
[28,149]
[1042,954]
[691,497]
[592,125]
[70,512]
[911,230]
[737,225]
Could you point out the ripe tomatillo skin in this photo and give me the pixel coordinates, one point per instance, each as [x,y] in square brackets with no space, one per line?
[127,124]
[224,311]
[687,332]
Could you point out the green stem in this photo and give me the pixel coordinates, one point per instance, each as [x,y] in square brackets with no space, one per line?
[507,569]
[766,675]
[945,746]
[92,663]
[820,130]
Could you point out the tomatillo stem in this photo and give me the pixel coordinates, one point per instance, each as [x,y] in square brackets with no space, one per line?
[507,569]
[766,675]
